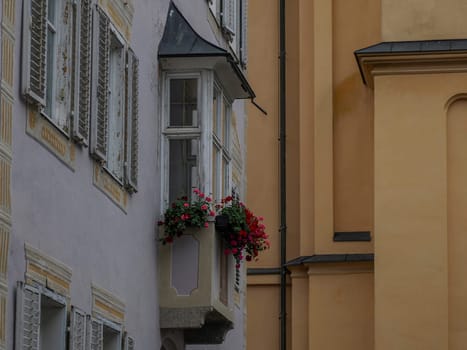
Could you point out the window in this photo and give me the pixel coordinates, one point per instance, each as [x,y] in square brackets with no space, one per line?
[220,146]
[196,141]
[114,103]
[48,59]
[41,319]
[89,333]
[232,15]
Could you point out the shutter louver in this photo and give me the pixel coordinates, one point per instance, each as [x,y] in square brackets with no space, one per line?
[132,122]
[94,334]
[100,87]
[35,50]
[228,16]
[244,33]
[81,120]
[28,316]
[129,343]
[77,329]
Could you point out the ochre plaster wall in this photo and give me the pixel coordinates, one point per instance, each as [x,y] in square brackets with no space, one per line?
[457,222]
[340,308]
[416,216]
[353,117]
[262,154]
[423,19]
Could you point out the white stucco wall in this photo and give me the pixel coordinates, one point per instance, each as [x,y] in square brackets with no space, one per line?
[61,212]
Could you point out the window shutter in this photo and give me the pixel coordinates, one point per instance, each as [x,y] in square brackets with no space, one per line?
[28,316]
[94,334]
[82,116]
[129,343]
[244,33]
[34,50]
[229,16]
[132,122]
[100,85]
[77,329]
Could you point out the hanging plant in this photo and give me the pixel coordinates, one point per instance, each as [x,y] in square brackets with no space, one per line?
[184,213]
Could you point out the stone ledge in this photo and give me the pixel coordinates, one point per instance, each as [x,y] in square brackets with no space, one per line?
[202,325]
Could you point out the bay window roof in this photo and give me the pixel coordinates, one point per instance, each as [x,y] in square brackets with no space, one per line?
[182,47]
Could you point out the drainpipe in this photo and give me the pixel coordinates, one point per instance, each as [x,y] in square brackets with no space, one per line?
[282,161]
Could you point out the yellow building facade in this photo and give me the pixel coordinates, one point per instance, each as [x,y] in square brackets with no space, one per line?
[376,174]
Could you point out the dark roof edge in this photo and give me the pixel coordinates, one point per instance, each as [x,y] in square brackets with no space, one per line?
[173,6]
[331,258]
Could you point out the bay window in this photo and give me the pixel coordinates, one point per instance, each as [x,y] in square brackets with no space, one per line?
[196,141]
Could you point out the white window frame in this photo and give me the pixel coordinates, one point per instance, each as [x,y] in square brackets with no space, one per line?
[22,305]
[114,328]
[206,84]
[112,110]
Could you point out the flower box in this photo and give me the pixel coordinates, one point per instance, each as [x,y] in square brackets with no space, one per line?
[196,286]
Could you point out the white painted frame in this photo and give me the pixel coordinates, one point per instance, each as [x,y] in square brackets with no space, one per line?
[111,109]
[206,84]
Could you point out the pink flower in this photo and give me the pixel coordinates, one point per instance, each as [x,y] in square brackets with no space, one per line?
[212,213]
[196,191]
[204,207]
[208,199]
[234,251]
[186,205]
[185,217]
[206,225]
[201,195]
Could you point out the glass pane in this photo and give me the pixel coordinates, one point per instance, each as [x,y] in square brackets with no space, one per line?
[215,173]
[225,177]
[184,102]
[226,126]
[183,167]
[50,72]
[215,112]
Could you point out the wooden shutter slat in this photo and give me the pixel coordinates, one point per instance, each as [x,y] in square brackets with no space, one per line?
[94,334]
[77,329]
[81,120]
[244,33]
[100,91]
[35,50]
[132,83]
[28,316]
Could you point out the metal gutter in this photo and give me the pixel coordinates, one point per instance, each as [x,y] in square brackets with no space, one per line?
[283,173]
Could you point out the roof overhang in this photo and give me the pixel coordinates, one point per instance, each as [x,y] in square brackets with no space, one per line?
[182,47]
[412,57]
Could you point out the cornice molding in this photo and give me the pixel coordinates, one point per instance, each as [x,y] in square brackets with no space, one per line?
[420,57]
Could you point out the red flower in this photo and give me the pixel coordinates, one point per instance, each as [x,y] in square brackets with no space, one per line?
[204,207]
[186,205]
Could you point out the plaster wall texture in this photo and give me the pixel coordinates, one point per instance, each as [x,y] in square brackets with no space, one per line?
[60,211]
[417,203]
[423,20]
